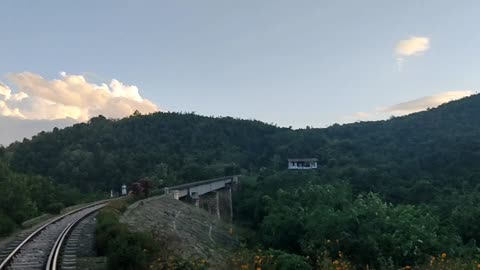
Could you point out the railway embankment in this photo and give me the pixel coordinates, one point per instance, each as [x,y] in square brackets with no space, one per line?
[183,230]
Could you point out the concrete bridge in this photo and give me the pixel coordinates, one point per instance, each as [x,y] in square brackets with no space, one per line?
[213,195]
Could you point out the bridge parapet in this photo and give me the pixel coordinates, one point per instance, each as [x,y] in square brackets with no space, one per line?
[198,191]
[202,187]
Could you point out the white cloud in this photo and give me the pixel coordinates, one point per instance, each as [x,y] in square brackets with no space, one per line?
[412,46]
[19,96]
[424,103]
[5,91]
[71,96]
[358,116]
[362,115]
[408,107]
[128,91]
[6,111]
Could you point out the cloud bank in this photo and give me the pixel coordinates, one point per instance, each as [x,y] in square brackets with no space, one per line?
[424,103]
[408,107]
[70,96]
[30,103]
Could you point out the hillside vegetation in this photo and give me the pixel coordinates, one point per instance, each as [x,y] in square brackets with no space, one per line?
[431,147]
[388,193]
[172,147]
[24,196]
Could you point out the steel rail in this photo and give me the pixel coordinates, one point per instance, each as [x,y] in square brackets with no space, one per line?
[32,236]
[55,252]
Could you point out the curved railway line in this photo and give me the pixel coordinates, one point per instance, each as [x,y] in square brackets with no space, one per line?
[43,248]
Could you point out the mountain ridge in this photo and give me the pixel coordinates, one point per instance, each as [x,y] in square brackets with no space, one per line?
[160,145]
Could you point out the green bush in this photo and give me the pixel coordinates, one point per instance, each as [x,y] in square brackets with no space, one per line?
[269,259]
[107,228]
[124,249]
[6,225]
[292,262]
[125,252]
[120,205]
[55,208]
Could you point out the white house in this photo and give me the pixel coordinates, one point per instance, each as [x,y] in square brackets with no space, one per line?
[302,163]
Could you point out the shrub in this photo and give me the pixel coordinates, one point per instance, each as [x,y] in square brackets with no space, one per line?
[55,208]
[125,252]
[6,225]
[268,260]
[119,205]
[124,249]
[291,262]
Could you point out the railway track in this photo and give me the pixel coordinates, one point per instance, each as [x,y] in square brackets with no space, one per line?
[43,248]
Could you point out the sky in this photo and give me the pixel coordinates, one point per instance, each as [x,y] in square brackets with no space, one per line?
[291,63]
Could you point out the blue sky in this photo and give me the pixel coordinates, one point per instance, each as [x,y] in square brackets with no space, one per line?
[293,63]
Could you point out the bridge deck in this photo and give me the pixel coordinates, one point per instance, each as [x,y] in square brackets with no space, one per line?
[202,187]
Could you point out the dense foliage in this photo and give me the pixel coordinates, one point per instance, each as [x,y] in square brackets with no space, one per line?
[124,249]
[315,218]
[391,192]
[24,196]
[104,154]
[427,151]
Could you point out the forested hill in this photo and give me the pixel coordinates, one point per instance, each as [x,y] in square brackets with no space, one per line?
[391,193]
[173,147]
[438,146]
